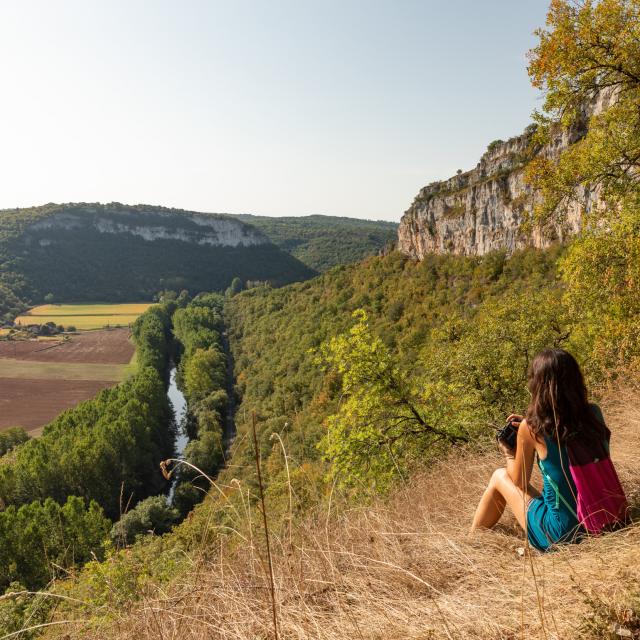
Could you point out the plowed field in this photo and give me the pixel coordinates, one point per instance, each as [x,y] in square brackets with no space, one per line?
[101,347]
[39,379]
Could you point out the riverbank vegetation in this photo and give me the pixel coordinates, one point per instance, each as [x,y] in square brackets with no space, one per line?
[202,374]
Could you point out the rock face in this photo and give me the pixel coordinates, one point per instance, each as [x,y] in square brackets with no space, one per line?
[482,210]
[150,224]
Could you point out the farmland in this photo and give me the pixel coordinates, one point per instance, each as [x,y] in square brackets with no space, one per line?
[84,316]
[39,379]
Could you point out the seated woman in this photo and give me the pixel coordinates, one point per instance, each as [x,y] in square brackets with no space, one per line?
[558,413]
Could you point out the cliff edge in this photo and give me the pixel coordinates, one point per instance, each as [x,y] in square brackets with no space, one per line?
[482,210]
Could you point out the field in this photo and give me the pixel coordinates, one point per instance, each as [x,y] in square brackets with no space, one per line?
[84,316]
[39,379]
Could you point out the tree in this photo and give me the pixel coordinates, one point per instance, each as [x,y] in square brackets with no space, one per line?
[383,421]
[41,539]
[49,298]
[601,272]
[150,515]
[235,287]
[589,53]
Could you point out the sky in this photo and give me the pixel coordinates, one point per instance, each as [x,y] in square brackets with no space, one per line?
[271,107]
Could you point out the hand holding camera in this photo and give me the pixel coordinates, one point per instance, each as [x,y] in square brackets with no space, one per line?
[508,435]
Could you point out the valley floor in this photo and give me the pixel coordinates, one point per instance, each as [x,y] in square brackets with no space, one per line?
[405,568]
[40,379]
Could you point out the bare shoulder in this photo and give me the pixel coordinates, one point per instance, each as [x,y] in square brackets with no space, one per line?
[525,432]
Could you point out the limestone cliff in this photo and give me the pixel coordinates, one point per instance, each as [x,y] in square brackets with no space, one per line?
[482,210]
[148,223]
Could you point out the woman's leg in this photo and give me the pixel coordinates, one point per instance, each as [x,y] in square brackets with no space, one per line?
[502,491]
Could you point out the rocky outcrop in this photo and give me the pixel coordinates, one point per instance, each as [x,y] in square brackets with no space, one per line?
[148,223]
[483,209]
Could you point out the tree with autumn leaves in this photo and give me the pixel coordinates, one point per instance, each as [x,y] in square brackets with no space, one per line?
[589,53]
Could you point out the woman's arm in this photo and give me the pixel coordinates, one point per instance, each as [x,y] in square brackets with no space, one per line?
[521,466]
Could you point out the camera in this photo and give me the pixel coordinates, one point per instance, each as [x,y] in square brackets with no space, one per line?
[508,434]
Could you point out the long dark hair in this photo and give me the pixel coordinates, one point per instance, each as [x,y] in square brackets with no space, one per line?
[559,407]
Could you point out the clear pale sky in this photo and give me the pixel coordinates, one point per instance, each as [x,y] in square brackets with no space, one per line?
[340,107]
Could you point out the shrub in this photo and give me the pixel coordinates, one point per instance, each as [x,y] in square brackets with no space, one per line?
[151,515]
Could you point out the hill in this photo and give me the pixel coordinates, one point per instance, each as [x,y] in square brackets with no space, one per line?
[322,242]
[119,253]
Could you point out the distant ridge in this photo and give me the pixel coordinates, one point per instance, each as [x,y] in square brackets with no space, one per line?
[118,253]
[322,242]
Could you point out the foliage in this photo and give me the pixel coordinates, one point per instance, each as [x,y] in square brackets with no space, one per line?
[107,449]
[381,421]
[151,335]
[150,515]
[19,606]
[202,377]
[602,273]
[322,242]
[440,323]
[11,438]
[589,52]
[40,540]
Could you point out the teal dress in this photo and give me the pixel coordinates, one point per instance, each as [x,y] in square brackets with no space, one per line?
[551,518]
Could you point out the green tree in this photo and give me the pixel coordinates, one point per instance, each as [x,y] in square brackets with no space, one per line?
[39,540]
[382,422]
[601,272]
[150,515]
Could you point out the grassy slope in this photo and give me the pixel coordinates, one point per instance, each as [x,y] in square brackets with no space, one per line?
[322,242]
[401,567]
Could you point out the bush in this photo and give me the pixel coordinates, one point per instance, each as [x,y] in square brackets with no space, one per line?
[152,515]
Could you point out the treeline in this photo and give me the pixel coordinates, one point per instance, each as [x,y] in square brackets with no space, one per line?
[91,464]
[202,379]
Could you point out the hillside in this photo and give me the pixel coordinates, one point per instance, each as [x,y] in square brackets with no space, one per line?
[322,242]
[118,253]
[399,567]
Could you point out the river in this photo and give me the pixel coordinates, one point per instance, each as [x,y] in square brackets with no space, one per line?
[179,404]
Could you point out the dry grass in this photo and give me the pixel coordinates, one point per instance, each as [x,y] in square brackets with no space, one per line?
[403,568]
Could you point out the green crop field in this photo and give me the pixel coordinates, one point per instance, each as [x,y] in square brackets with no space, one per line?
[84,316]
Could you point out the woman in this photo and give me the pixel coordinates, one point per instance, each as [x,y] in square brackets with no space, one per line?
[558,414]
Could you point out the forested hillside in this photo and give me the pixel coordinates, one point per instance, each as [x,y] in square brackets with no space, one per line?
[118,253]
[322,242]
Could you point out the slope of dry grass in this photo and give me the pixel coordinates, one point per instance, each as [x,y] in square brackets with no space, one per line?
[403,568]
